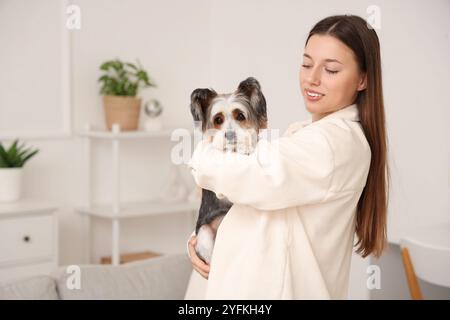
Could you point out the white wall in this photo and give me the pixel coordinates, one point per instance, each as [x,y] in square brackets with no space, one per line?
[190,44]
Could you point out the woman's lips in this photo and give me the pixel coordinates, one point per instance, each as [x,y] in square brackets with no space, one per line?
[313,95]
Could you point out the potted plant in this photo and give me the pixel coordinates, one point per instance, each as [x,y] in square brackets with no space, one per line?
[121,83]
[11,170]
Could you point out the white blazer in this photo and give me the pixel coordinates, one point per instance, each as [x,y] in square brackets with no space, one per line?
[290,231]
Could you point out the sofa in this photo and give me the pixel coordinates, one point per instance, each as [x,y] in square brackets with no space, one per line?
[164,277]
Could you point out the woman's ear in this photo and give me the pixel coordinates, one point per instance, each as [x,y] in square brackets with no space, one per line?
[362,82]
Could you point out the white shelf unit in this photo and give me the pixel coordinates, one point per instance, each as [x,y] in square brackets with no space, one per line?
[117,211]
[139,209]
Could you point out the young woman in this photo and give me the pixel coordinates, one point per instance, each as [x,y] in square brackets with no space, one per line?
[290,233]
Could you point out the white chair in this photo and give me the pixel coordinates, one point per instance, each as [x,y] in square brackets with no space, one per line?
[430,263]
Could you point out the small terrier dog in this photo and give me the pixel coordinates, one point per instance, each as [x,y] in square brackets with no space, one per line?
[231,122]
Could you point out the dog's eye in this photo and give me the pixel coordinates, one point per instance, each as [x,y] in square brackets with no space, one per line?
[240,117]
[218,120]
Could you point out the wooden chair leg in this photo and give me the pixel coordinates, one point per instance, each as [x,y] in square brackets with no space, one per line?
[414,288]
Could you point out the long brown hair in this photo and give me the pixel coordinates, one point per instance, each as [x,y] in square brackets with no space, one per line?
[371,215]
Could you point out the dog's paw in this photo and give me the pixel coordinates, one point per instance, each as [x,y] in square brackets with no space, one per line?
[205,243]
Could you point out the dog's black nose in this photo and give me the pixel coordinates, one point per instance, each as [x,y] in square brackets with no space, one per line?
[230,135]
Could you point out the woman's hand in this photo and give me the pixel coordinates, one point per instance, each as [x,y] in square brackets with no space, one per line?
[199,265]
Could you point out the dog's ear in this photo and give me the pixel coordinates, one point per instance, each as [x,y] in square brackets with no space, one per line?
[251,88]
[200,101]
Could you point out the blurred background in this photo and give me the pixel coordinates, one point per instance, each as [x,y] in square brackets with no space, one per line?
[50,58]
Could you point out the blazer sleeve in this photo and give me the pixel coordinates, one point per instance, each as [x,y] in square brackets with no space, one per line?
[290,171]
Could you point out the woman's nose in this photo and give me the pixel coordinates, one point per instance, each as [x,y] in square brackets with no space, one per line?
[314,77]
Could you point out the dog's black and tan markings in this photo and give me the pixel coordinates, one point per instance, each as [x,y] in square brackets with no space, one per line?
[235,120]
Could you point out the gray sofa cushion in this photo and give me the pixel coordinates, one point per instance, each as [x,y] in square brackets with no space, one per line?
[36,288]
[164,277]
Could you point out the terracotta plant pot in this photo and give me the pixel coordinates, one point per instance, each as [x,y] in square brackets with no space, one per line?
[122,110]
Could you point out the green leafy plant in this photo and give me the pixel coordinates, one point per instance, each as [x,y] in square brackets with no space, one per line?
[15,156]
[123,78]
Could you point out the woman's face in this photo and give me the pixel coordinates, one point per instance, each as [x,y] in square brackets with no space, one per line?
[329,76]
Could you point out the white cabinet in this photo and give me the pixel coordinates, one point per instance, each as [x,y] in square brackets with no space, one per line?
[115,212]
[28,239]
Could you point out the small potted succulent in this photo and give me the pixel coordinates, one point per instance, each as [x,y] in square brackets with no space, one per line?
[121,83]
[11,170]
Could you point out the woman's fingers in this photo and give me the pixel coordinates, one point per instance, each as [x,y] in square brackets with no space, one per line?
[199,265]
[204,275]
[194,257]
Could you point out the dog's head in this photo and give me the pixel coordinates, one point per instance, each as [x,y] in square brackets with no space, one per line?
[232,121]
